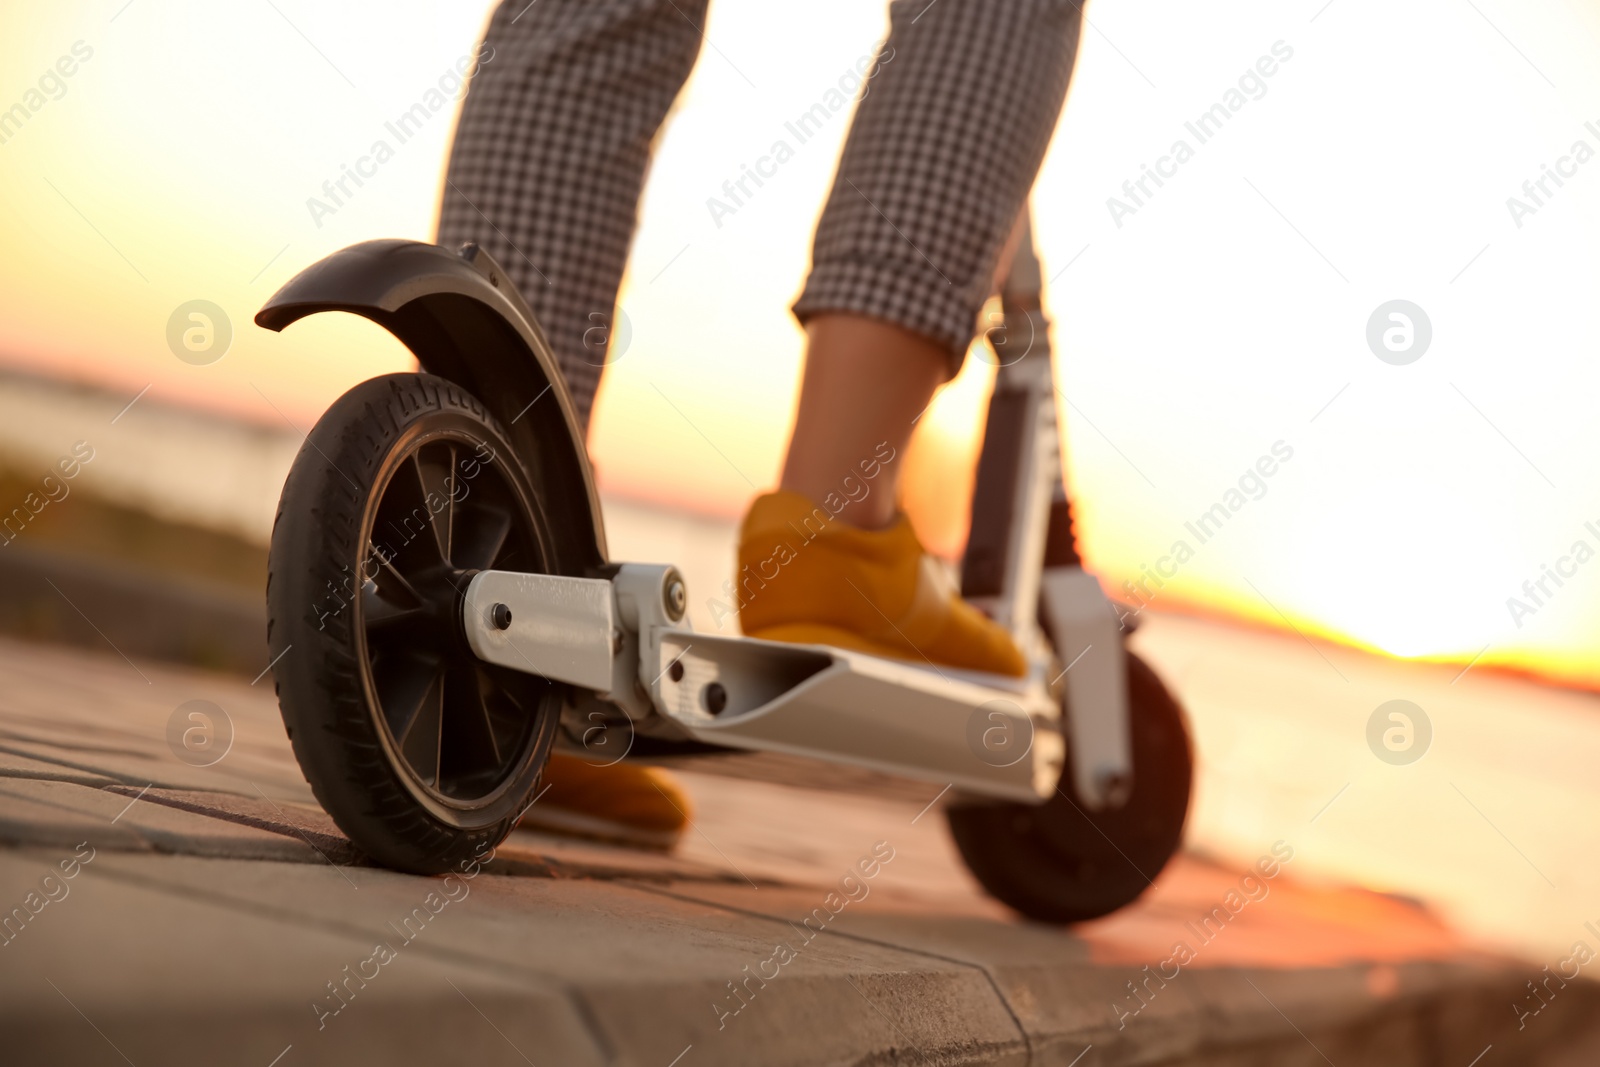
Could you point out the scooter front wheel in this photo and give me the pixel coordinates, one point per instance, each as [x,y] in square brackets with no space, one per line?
[422,754]
[1061,862]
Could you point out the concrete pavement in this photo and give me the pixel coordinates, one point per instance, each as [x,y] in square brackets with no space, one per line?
[214,915]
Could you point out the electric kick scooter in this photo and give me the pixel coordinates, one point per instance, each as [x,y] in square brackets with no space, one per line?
[443,611]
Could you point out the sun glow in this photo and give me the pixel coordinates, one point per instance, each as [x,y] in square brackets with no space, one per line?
[1227,312]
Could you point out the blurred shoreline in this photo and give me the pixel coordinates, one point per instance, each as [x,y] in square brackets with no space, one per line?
[180,496]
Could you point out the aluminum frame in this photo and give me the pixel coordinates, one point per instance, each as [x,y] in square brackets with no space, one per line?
[981,734]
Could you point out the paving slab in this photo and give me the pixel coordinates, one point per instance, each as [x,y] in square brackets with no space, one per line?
[1072,989]
[655,974]
[137,768]
[813,836]
[310,825]
[649,971]
[15,765]
[106,715]
[210,921]
[114,971]
[64,814]
[549,856]
[1369,978]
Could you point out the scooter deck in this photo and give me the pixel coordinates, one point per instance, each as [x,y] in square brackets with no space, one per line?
[989,734]
[779,768]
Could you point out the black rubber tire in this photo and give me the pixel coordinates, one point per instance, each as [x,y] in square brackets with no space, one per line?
[329,649]
[1060,863]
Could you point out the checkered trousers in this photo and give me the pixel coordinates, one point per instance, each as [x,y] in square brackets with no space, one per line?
[554,140]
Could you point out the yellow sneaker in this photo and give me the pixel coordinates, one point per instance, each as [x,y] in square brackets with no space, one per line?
[807,577]
[623,803]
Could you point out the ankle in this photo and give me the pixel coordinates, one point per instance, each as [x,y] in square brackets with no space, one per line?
[854,501]
[866,382]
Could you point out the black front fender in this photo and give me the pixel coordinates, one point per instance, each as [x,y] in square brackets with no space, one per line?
[461,317]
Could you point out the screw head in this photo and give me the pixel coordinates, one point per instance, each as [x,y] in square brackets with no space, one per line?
[716,698]
[1115,788]
[676,596]
[500,616]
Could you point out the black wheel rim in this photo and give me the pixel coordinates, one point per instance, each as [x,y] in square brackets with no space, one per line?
[445,508]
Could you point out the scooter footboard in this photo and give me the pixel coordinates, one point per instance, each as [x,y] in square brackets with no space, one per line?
[928,723]
[980,733]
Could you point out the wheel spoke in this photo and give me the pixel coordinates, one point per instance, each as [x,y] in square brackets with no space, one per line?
[405,523]
[508,684]
[387,576]
[421,738]
[481,534]
[387,621]
[480,682]
[404,682]
[468,746]
[450,486]
[506,721]
[435,465]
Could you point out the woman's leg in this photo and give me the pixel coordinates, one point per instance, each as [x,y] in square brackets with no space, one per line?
[943,150]
[941,156]
[551,152]
[865,383]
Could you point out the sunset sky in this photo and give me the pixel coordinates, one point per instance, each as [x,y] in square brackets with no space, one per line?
[1225,315]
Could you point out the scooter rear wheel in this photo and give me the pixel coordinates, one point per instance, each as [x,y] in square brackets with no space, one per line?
[422,754]
[1061,862]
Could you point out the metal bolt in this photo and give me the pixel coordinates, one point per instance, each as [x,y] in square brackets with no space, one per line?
[677,596]
[500,616]
[1115,789]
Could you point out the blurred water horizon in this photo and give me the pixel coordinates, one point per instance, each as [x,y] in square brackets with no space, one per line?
[193,467]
